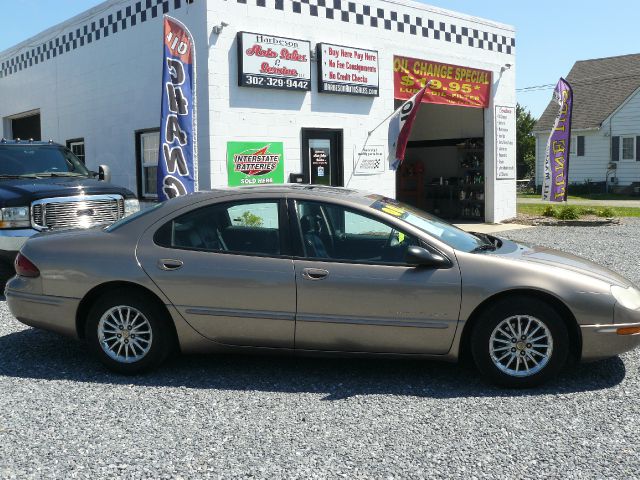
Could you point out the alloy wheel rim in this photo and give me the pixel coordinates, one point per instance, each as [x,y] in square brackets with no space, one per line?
[521,345]
[125,334]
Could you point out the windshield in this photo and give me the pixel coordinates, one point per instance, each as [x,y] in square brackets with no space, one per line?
[39,160]
[443,231]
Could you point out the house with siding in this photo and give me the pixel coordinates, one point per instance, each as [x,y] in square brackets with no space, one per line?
[605,140]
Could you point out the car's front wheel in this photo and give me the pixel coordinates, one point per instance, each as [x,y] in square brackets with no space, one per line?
[520,342]
[128,333]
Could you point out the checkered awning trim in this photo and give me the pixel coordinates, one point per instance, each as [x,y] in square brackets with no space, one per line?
[127,17]
[339,10]
[392,20]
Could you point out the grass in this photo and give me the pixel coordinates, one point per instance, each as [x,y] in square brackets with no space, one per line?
[538,209]
[588,196]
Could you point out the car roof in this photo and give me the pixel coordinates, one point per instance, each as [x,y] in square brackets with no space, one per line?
[317,192]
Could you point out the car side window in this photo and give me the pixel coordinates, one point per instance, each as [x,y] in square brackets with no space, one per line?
[337,233]
[248,228]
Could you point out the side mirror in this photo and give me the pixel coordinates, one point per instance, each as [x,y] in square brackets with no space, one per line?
[421,257]
[104,173]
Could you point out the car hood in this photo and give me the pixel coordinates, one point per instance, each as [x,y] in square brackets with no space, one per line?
[545,256]
[16,192]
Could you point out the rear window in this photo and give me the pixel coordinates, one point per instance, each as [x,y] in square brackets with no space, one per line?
[140,213]
[247,228]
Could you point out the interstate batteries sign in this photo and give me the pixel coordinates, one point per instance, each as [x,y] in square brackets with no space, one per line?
[254,163]
[348,70]
[265,61]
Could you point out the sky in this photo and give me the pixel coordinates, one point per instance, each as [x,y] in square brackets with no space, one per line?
[549,39]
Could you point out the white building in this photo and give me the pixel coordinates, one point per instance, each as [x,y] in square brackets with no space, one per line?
[94,83]
[605,140]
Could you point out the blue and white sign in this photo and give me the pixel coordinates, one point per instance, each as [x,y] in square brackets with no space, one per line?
[178,153]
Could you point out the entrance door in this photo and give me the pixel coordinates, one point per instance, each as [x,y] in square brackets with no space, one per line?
[322,162]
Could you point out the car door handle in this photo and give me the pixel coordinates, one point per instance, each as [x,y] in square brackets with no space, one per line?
[169,264]
[315,273]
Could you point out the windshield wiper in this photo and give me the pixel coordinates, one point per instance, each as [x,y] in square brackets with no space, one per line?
[482,236]
[26,175]
[59,174]
[484,247]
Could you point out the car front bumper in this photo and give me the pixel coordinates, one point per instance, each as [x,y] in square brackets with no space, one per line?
[607,340]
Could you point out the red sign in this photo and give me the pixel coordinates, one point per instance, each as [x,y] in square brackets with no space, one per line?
[178,40]
[450,84]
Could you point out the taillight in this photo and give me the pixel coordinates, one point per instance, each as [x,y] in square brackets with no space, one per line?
[25,268]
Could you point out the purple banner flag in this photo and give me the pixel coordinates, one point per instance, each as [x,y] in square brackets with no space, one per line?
[556,163]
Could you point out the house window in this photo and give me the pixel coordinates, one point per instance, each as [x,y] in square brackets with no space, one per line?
[148,143]
[628,148]
[573,147]
[77,147]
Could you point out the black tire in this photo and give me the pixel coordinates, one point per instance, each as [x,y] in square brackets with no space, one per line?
[7,271]
[161,338]
[526,308]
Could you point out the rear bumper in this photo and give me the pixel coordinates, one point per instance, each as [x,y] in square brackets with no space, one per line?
[56,314]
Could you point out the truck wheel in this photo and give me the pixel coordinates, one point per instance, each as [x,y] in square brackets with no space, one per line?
[7,270]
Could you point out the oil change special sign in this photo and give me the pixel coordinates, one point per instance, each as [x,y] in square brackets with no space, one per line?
[450,84]
[265,61]
[348,70]
[254,163]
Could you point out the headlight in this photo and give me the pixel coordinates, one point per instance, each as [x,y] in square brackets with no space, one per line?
[14,217]
[131,206]
[627,297]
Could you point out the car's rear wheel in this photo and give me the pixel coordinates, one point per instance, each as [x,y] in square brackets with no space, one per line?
[520,342]
[128,333]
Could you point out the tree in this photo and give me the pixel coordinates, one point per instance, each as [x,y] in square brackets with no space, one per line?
[248,219]
[525,143]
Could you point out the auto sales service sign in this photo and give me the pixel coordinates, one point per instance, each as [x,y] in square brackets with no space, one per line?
[255,163]
[265,61]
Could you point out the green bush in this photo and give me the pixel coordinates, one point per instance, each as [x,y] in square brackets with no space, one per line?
[568,212]
[588,211]
[549,211]
[606,212]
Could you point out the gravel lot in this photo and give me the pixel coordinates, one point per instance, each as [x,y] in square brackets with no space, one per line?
[63,416]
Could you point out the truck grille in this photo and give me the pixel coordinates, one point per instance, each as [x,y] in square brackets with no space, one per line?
[76,212]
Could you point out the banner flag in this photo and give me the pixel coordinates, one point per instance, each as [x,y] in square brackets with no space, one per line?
[556,163]
[178,152]
[400,127]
